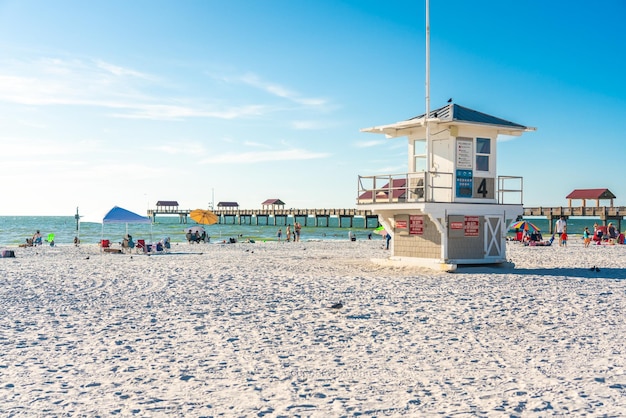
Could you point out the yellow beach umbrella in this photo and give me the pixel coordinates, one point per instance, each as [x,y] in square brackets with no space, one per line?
[204,217]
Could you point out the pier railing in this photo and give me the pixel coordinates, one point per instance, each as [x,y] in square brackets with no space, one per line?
[319,217]
[433,186]
[602,212]
[276,216]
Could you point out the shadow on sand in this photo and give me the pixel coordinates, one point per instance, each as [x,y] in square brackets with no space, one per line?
[592,272]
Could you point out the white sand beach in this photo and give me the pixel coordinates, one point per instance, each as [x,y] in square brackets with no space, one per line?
[246,330]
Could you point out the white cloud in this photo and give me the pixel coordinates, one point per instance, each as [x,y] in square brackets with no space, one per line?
[181,148]
[311,125]
[18,147]
[255,144]
[48,81]
[264,156]
[128,93]
[280,91]
[121,71]
[173,112]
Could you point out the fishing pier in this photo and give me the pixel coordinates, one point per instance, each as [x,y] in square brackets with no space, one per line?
[321,217]
[276,217]
[604,213]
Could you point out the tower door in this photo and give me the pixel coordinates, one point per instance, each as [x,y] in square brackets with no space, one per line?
[494,246]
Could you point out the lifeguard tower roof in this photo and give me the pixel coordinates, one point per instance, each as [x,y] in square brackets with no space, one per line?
[452,114]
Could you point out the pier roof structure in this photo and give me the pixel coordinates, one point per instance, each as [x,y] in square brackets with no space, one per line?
[273,202]
[168,203]
[591,194]
[228,205]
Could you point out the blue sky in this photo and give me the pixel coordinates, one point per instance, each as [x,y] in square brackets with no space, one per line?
[125,103]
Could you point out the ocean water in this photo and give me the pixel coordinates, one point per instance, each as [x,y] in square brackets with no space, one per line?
[15,229]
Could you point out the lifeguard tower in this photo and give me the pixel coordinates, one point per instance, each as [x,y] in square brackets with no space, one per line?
[451,208]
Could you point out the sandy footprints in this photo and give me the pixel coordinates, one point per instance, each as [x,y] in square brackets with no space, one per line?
[232,335]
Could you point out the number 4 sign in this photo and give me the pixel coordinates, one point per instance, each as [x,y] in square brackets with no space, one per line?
[483,188]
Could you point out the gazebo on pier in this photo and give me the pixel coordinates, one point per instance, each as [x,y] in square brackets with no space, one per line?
[273,204]
[167,206]
[228,206]
[590,194]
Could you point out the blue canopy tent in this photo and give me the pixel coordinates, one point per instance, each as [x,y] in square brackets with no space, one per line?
[119,215]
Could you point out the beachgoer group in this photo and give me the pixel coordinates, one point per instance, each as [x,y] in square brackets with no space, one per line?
[291,234]
[197,237]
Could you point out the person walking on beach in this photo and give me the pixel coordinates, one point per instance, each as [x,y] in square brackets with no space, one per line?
[561,224]
[279,234]
[297,228]
[586,237]
[288,233]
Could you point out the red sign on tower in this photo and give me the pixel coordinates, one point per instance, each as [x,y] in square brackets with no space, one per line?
[416,224]
[472,224]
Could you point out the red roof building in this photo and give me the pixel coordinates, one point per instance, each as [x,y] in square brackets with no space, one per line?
[273,204]
[591,194]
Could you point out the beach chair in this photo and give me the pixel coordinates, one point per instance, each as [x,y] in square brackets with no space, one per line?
[141,246]
[105,246]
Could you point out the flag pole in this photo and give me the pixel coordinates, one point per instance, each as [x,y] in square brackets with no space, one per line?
[427,114]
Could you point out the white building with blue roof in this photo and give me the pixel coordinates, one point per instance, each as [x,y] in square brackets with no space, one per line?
[451,207]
